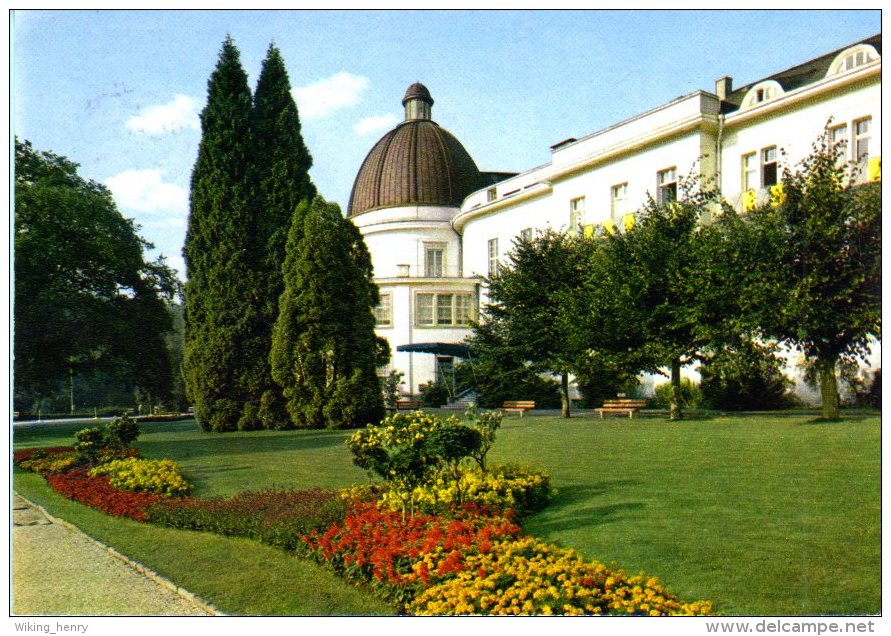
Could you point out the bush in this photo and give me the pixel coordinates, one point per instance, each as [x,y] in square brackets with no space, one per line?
[89,442]
[274,517]
[121,432]
[748,376]
[510,489]
[691,396]
[434,394]
[157,476]
[875,390]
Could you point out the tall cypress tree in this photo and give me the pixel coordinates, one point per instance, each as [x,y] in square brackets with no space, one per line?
[217,251]
[323,346]
[280,180]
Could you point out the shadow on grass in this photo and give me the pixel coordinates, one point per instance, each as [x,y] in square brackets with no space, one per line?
[574,507]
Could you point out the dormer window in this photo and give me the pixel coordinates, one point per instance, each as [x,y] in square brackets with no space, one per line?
[762,92]
[852,58]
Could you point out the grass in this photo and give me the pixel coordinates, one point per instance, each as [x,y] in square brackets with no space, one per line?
[764,515]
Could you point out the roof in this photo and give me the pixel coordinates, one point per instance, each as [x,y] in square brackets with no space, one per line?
[801,75]
[416,163]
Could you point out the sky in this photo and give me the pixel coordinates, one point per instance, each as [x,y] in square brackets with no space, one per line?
[120,91]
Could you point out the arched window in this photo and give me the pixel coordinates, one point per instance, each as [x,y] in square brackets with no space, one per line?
[762,92]
[852,58]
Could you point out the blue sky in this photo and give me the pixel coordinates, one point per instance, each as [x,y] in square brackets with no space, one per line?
[120,91]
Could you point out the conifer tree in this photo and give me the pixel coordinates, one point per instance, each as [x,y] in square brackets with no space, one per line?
[324,348]
[280,164]
[217,250]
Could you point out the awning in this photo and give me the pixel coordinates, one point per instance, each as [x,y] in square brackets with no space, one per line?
[437,348]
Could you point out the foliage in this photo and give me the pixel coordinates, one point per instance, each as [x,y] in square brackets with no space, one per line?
[76,253]
[525,300]
[487,424]
[498,377]
[875,390]
[221,291]
[158,476]
[745,376]
[89,442]
[121,432]
[523,576]
[324,349]
[654,295]
[510,489]
[48,463]
[276,517]
[398,556]
[434,394]
[391,388]
[279,180]
[821,292]
[597,383]
[690,396]
[96,492]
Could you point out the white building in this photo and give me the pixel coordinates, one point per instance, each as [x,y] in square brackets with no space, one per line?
[434,224]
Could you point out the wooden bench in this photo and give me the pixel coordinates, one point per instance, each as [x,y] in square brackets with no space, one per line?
[407,405]
[517,406]
[621,406]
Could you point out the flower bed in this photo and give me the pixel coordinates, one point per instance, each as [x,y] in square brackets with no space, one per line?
[158,476]
[528,576]
[400,556]
[274,517]
[96,492]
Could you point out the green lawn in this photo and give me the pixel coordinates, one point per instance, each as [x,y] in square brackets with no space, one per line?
[764,515]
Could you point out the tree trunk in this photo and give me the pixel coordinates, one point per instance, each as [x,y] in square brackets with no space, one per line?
[828,389]
[565,405]
[674,412]
[71,389]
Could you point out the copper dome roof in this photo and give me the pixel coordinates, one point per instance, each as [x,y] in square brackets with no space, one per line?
[416,163]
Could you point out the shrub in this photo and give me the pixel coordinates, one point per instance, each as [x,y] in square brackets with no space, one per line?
[96,492]
[89,442]
[29,453]
[510,489]
[434,394]
[158,476]
[274,517]
[527,576]
[121,432]
[748,376]
[691,396]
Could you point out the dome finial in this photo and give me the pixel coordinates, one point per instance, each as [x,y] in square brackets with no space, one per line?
[417,102]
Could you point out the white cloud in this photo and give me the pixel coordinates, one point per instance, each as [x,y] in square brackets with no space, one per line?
[145,191]
[327,95]
[181,112]
[368,125]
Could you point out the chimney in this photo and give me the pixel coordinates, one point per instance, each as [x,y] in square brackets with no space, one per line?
[723,87]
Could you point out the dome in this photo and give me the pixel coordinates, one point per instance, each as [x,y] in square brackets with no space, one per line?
[416,163]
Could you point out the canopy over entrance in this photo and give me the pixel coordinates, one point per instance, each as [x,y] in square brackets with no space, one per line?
[437,348]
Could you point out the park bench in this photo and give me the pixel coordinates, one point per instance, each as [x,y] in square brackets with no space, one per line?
[621,406]
[406,404]
[517,406]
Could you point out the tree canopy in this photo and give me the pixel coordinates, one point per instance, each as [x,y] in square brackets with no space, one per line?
[86,300]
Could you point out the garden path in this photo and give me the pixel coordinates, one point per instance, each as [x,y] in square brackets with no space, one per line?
[58,570]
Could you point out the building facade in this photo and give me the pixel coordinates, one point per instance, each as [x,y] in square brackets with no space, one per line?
[435,225]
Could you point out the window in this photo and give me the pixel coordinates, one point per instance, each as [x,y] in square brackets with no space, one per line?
[576,212]
[618,200]
[666,186]
[491,194]
[443,309]
[769,167]
[434,260]
[750,171]
[861,140]
[853,58]
[527,234]
[383,313]
[838,137]
[493,256]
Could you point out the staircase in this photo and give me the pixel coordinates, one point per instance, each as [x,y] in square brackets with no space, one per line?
[462,401]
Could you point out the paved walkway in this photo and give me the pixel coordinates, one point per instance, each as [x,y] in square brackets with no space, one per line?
[58,570]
